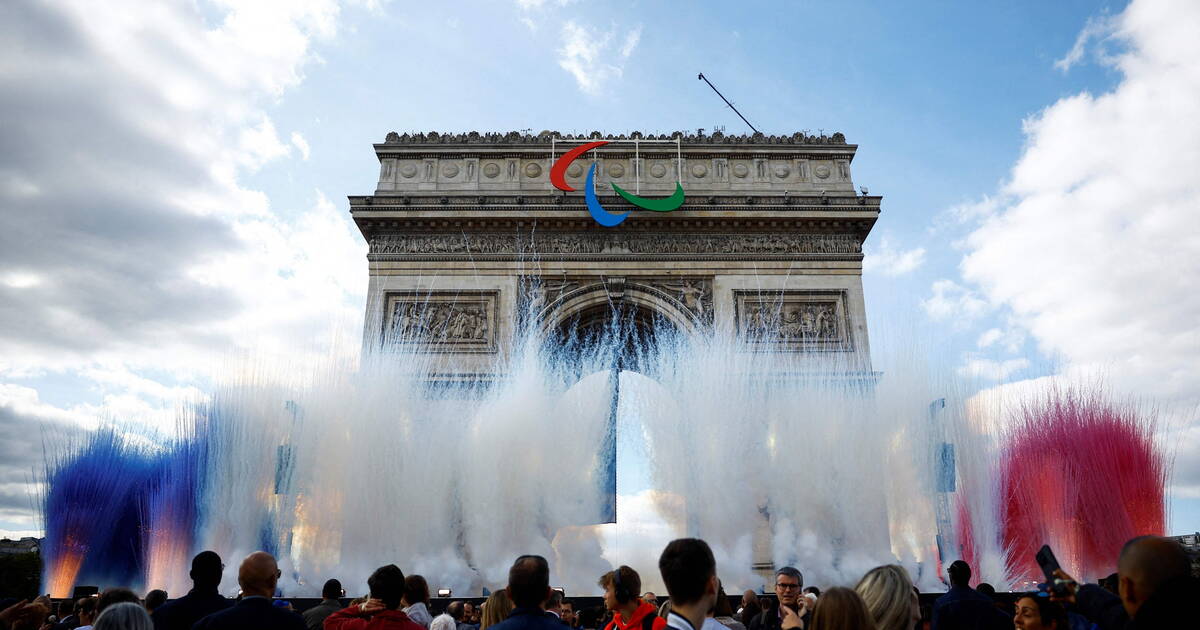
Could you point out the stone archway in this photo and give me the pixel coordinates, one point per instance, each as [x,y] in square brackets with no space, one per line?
[631,318]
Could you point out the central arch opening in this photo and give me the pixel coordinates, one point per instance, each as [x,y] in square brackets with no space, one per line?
[620,336]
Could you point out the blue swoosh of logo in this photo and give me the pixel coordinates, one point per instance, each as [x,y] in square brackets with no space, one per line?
[602,216]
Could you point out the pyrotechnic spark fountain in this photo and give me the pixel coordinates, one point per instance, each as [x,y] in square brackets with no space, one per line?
[338,469]
[1082,475]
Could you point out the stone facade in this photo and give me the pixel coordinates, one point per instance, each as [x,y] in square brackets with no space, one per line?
[468,237]
[467,234]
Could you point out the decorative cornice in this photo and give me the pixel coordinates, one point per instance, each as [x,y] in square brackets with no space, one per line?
[545,137]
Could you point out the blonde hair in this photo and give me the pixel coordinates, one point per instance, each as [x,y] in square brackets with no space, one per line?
[888,593]
[495,609]
[841,608]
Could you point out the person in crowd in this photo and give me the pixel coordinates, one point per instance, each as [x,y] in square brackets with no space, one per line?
[70,616]
[471,615]
[443,622]
[86,610]
[155,599]
[495,610]
[331,602]
[124,616]
[630,612]
[889,595]
[553,605]
[722,612]
[1154,584]
[650,598]
[963,606]
[199,602]
[690,574]
[115,595]
[841,608]
[589,618]
[258,575]
[1036,612]
[529,588]
[284,604]
[416,600]
[1110,584]
[812,590]
[750,608]
[788,582]
[458,612]
[382,611]
[568,614]
[24,614]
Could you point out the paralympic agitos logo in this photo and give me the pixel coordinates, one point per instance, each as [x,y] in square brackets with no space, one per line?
[602,216]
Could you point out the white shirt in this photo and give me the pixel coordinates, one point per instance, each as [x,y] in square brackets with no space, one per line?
[443,622]
[679,622]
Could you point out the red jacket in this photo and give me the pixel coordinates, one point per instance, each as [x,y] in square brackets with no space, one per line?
[352,618]
[636,620]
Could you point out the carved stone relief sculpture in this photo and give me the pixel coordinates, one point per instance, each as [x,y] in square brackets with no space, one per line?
[442,321]
[799,320]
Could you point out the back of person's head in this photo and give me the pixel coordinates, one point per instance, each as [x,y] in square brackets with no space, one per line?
[812,589]
[1049,614]
[387,585]
[258,574]
[1147,563]
[116,596]
[331,590]
[495,609]
[687,568]
[986,589]
[722,607]
[416,590]
[841,608]
[207,569]
[959,573]
[554,602]
[155,598]
[123,616]
[625,581]
[86,606]
[529,581]
[455,610]
[1110,583]
[888,593]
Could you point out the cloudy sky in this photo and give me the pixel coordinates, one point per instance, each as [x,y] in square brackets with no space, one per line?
[173,174]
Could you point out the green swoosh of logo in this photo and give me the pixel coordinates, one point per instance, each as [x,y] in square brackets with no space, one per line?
[666,204]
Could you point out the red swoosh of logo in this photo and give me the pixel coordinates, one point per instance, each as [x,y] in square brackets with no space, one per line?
[559,170]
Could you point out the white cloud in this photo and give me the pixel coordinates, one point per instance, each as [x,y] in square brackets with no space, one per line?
[890,260]
[149,262]
[631,42]
[1097,29]
[300,143]
[951,300]
[1095,249]
[590,56]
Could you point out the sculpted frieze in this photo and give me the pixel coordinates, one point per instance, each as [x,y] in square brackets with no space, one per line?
[436,322]
[615,243]
[798,320]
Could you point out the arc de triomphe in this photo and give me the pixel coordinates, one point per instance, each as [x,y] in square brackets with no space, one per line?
[467,234]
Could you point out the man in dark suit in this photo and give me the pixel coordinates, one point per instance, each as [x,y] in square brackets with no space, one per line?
[200,602]
[258,576]
[331,602]
[529,588]
[964,607]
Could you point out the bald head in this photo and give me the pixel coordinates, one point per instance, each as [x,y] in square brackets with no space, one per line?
[1147,563]
[258,575]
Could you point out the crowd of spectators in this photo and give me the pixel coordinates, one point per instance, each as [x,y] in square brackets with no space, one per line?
[1152,588]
